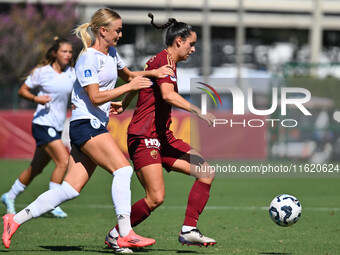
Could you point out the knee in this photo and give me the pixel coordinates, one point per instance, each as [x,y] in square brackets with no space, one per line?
[62,164]
[156,200]
[211,177]
[206,180]
[69,191]
[205,173]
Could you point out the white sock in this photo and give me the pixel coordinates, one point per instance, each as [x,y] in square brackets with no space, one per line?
[46,202]
[54,185]
[23,216]
[186,228]
[121,197]
[124,224]
[16,189]
[114,233]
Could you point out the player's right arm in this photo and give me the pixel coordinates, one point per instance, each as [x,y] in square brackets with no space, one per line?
[25,92]
[170,96]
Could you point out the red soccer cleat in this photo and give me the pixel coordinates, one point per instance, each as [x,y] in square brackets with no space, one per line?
[134,240]
[10,226]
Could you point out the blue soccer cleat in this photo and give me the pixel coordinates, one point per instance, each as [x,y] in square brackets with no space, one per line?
[58,213]
[9,203]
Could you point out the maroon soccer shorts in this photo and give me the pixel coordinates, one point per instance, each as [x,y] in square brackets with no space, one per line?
[148,151]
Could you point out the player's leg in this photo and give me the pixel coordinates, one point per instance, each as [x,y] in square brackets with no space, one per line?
[198,197]
[151,178]
[104,151]
[38,163]
[80,170]
[57,151]
[192,163]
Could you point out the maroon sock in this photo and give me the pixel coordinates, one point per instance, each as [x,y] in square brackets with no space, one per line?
[198,198]
[139,212]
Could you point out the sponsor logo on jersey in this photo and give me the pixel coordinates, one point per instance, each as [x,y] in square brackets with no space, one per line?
[88,73]
[95,123]
[152,143]
[51,132]
[154,154]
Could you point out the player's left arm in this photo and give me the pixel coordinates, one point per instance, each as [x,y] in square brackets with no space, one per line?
[119,107]
[159,73]
[172,97]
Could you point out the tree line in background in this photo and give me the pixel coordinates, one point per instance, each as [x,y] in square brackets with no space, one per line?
[27,31]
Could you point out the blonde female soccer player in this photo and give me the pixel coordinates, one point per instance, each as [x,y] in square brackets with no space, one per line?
[97,70]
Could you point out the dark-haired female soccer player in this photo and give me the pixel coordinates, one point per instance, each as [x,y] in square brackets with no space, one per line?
[54,77]
[97,70]
[153,146]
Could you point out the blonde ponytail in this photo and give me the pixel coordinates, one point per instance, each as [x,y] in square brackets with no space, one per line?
[84,33]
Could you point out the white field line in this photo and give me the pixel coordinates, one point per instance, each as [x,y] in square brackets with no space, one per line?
[216,208]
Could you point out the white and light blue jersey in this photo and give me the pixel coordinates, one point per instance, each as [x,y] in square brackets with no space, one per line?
[94,67]
[58,86]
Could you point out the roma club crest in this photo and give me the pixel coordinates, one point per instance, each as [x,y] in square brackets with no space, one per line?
[154,154]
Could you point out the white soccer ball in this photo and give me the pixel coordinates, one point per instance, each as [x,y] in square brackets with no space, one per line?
[285,210]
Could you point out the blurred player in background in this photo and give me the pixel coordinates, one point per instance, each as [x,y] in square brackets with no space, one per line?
[97,70]
[152,144]
[54,78]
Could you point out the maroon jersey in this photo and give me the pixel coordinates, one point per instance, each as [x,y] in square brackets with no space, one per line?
[152,117]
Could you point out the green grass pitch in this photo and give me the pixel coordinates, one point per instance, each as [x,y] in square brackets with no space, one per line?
[236,216]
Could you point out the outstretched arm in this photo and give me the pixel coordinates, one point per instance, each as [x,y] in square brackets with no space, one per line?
[175,99]
[127,76]
[98,97]
[159,73]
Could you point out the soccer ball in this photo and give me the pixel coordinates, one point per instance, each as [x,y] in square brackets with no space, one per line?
[285,210]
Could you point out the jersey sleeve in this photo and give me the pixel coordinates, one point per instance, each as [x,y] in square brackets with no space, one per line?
[87,70]
[113,53]
[168,79]
[32,80]
[120,62]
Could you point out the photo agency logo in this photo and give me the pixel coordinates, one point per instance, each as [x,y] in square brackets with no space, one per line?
[204,97]
[281,99]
